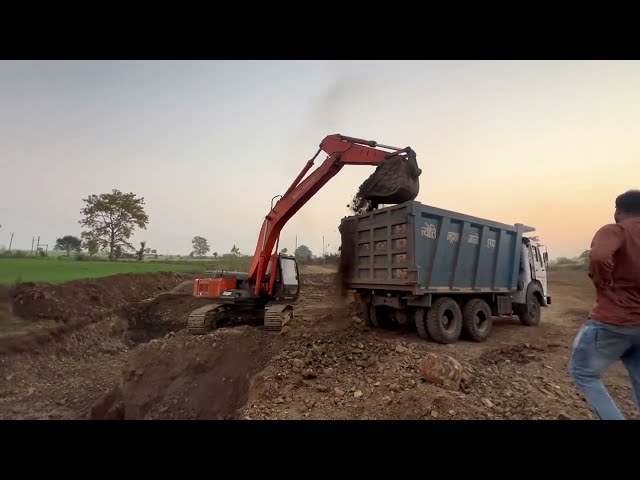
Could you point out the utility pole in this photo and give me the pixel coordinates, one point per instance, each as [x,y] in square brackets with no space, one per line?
[324,254]
[38,244]
[10,241]
[33,239]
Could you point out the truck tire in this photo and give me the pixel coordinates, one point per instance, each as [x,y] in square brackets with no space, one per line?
[477,320]
[530,313]
[444,320]
[380,317]
[421,323]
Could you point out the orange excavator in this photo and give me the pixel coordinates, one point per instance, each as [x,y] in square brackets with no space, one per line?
[268,291]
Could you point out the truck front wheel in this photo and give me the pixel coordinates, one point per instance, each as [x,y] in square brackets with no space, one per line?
[530,313]
[444,320]
[477,320]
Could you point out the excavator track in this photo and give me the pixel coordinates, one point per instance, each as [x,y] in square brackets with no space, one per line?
[202,320]
[276,316]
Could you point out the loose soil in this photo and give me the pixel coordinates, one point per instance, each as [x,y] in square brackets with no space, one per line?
[137,362]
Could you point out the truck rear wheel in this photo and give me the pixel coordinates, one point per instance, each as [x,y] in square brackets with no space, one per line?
[380,316]
[365,310]
[420,321]
[444,320]
[477,320]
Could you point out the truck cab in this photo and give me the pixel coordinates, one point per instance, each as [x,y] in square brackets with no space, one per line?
[533,270]
[532,293]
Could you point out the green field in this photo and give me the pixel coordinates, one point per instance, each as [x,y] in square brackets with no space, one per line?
[13,270]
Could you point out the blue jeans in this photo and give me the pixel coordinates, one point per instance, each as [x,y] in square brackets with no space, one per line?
[597,346]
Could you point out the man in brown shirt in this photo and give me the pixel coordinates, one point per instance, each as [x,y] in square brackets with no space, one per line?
[612,331]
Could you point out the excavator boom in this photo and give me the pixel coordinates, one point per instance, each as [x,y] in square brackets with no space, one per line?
[341,150]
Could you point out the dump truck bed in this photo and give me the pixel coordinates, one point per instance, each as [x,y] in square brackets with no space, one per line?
[423,249]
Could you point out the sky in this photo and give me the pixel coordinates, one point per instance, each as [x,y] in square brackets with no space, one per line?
[208,143]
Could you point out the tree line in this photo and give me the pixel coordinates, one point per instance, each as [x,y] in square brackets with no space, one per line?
[109,220]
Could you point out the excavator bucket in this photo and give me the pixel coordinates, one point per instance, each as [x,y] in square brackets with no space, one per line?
[396,180]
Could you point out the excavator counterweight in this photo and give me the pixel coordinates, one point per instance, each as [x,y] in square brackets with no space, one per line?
[267,292]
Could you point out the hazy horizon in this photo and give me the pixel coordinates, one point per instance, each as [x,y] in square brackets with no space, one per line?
[208,143]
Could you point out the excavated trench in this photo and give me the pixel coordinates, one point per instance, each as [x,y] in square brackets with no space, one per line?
[170,374]
[135,350]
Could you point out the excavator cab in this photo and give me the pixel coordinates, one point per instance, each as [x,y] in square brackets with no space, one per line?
[287,282]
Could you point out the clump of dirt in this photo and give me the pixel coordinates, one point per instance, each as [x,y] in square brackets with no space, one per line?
[189,377]
[87,299]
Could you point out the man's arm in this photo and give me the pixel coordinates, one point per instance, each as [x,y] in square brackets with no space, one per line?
[605,244]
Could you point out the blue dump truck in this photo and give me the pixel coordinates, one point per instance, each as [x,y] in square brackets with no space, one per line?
[445,272]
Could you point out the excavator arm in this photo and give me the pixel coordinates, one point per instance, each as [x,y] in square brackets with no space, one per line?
[340,150]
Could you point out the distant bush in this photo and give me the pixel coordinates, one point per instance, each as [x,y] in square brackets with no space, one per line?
[569,266]
[13,254]
[564,261]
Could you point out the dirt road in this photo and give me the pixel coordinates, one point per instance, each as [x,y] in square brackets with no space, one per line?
[135,361]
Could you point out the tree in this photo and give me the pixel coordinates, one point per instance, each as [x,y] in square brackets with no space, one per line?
[284,251]
[564,261]
[93,246]
[68,243]
[200,246]
[235,251]
[110,219]
[215,254]
[585,256]
[303,252]
[155,253]
[140,252]
[147,250]
[117,252]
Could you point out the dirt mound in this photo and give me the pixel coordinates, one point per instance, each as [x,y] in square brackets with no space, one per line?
[185,288]
[87,298]
[189,377]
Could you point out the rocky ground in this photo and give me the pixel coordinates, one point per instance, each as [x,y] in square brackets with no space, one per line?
[334,366]
[135,361]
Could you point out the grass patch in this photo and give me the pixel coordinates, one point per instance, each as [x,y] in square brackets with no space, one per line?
[14,270]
